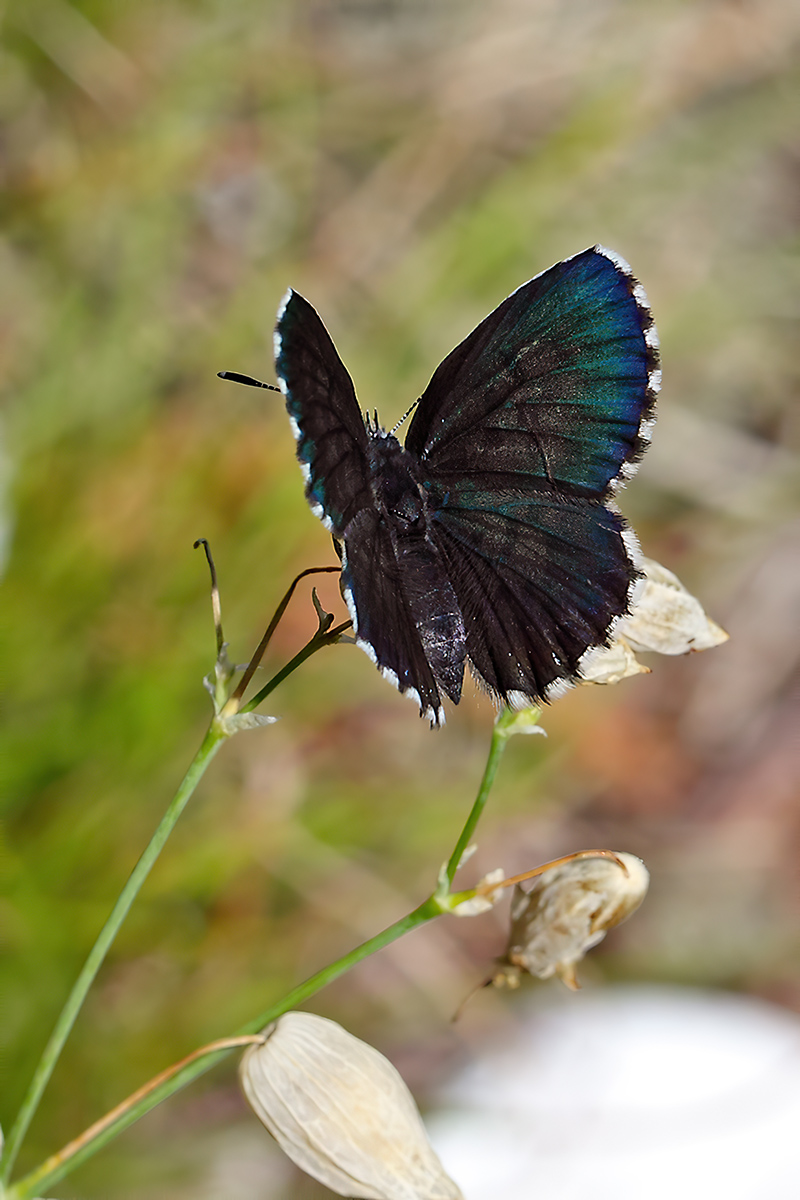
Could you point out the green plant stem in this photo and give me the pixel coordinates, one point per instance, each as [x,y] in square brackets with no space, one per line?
[317,642]
[59,1165]
[218,732]
[250,670]
[84,1147]
[498,744]
[66,1155]
[211,743]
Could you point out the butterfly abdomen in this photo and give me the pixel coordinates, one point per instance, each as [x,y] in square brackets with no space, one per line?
[428,602]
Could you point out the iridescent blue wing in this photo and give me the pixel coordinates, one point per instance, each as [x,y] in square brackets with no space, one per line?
[553,389]
[326,419]
[523,433]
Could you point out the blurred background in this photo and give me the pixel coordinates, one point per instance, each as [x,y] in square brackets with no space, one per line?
[167,170]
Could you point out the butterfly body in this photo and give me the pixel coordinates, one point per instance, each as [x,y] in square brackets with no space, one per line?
[490,538]
[402,520]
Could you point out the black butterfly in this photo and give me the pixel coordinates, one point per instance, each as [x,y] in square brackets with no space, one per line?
[490,538]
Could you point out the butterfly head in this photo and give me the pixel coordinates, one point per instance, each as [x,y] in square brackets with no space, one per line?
[393,480]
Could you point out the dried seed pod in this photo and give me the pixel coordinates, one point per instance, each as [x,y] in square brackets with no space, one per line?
[341,1112]
[610,664]
[667,618]
[566,912]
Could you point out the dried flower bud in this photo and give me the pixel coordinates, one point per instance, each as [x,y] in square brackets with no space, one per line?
[520,717]
[667,618]
[610,664]
[567,911]
[340,1110]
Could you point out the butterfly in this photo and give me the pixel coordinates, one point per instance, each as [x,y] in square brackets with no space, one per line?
[490,539]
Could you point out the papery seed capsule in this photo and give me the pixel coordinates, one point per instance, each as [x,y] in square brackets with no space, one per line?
[611,664]
[567,911]
[667,618]
[341,1112]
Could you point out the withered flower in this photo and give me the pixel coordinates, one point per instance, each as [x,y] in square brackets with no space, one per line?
[610,664]
[568,910]
[341,1112]
[665,618]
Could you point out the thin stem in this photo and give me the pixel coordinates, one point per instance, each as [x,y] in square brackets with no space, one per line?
[175,1078]
[216,607]
[58,1161]
[273,625]
[316,643]
[217,733]
[424,912]
[496,748]
[507,723]
[210,745]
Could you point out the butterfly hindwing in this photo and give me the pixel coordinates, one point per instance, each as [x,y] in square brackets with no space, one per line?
[539,581]
[372,584]
[521,435]
[555,387]
[326,419]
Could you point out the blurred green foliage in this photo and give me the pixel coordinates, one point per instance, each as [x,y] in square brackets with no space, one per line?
[166,171]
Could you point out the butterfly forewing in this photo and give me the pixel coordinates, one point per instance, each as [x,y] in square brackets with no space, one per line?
[372,583]
[552,388]
[326,419]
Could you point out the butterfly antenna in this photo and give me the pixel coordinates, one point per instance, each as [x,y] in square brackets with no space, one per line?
[237,377]
[407,413]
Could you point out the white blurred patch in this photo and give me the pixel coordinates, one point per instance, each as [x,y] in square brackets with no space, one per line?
[663,1092]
